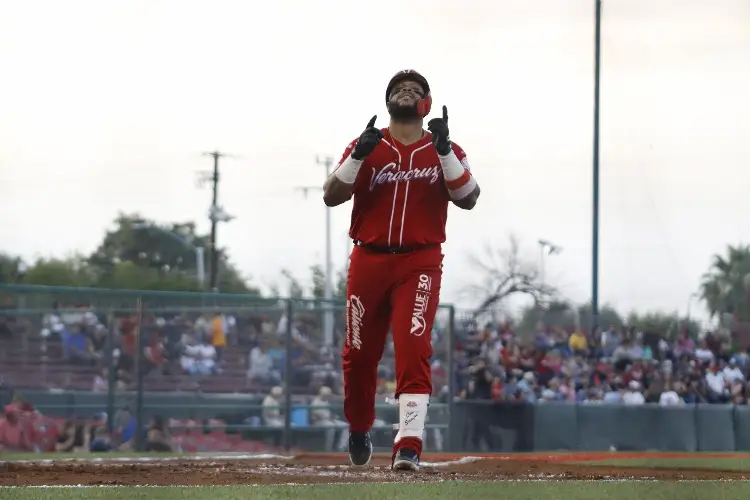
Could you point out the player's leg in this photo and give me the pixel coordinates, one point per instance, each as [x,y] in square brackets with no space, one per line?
[414,304]
[367,320]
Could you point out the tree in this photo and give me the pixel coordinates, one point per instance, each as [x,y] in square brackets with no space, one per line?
[10,269]
[556,312]
[569,316]
[664,324]
[724,286]
[160,255]
[72,271]
[296,291]
[608,316]
[136,254]
[319,287]
[504,273]
[566,315]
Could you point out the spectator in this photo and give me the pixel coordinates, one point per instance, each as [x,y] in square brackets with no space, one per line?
[594,395]
[610,341]
[322,416]
[732,372]
[612,392]
[526,361]
[742,359]
[197,358]
[542,339]
[155,353]
[578,343]
[158,437]
[219,327]
[510,353]
[260,366]
[527,387]
[703,354]
[98,341]
[272,416]
[671,397]
[14,435]
[482,381]
[75,436]
[480,387]
[125,429]
[633,396]
[76,345]
[99,436]
[101,381]
[717,384]
[128,347]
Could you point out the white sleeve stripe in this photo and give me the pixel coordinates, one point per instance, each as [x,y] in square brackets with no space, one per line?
[463,191]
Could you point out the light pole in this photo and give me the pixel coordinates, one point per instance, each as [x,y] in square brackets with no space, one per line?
[547,248]
[200,268]
[328,293]
[595,170]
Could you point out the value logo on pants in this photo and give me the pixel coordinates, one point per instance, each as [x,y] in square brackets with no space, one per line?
[421,300]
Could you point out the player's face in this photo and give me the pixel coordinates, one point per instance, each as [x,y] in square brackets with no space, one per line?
[406,93]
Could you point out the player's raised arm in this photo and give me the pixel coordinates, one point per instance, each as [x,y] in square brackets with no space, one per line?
[462,187]
[339,186]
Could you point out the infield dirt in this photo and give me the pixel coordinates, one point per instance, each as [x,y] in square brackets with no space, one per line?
[312,469]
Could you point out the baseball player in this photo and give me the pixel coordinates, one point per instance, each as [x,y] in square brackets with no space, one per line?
[402,179]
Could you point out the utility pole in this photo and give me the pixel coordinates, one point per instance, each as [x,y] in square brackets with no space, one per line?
[328,285]
[215,215]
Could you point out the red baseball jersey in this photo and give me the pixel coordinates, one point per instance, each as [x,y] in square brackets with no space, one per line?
[400,197]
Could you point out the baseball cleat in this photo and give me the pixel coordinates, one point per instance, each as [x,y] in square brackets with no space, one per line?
[360,448]
[406,459]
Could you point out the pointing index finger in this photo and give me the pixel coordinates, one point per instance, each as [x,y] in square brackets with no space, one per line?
[445,114]
[371,123]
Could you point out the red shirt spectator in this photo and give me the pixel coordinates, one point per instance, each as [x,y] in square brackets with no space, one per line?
[13,434]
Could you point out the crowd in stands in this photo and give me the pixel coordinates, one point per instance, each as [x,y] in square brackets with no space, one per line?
[245,353]
[210,352]
[23,428]
[617,365]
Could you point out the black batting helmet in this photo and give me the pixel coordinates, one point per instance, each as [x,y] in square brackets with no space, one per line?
[425,103]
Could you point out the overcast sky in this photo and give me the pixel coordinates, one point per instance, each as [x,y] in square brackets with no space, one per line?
[107,106]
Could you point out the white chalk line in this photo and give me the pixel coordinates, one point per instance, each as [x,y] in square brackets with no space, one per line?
[462,460]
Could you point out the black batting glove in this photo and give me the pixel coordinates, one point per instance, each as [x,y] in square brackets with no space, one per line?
[440,134]
[370,138]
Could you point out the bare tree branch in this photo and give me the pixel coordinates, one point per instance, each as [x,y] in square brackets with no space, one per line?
[503,272]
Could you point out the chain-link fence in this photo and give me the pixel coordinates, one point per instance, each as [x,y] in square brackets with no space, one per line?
[216,371]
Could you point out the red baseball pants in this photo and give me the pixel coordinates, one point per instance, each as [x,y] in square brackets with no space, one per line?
[397,290]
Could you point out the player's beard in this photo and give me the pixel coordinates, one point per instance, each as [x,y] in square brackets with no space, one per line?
[403,113]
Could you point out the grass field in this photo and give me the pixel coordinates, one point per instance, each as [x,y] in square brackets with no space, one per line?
[533,476]
[696,462]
